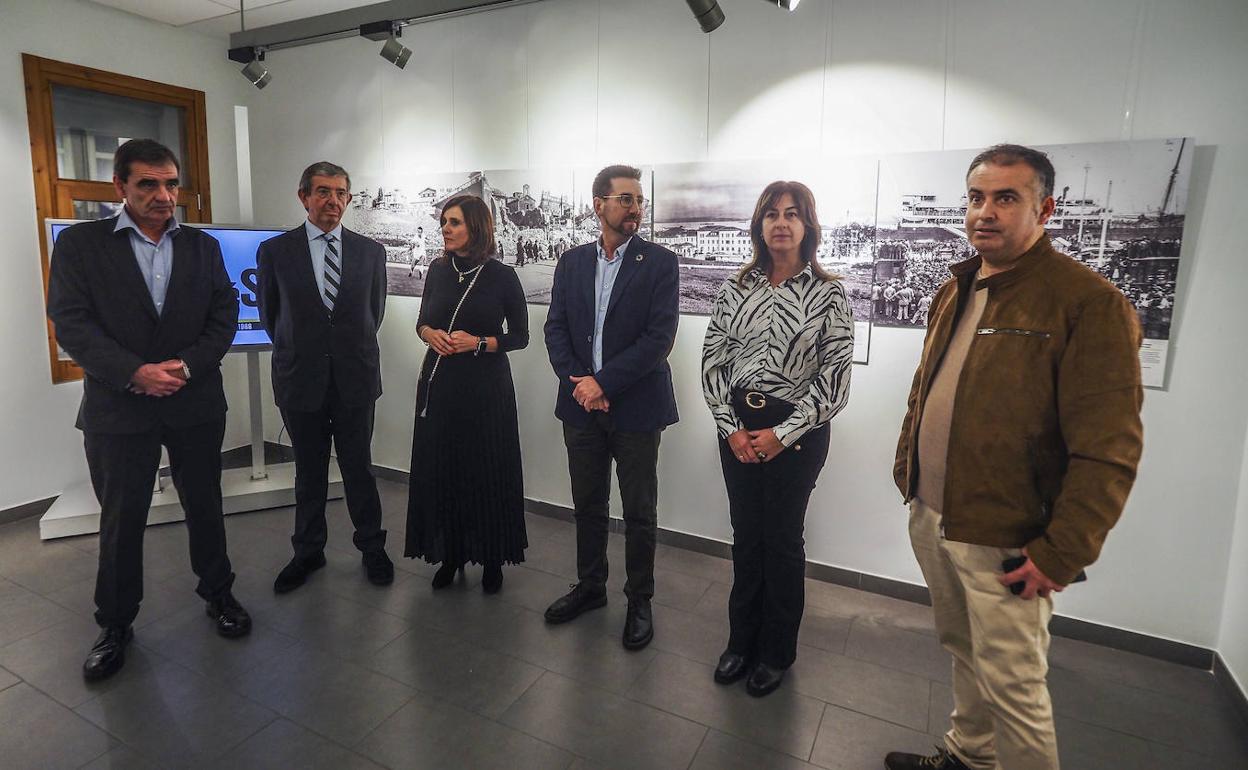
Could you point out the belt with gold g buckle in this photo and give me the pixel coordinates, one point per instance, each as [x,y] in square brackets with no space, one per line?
[755,400]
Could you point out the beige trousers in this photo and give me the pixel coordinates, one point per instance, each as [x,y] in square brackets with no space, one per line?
[1002,716]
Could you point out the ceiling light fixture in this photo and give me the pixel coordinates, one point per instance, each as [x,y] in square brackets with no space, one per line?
[392,50]
[250,56]
[708,13]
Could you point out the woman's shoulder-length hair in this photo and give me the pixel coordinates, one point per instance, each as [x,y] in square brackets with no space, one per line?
[480,224]
[805,200]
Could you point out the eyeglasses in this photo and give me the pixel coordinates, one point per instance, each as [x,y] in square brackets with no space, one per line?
[627,200]
[324,193]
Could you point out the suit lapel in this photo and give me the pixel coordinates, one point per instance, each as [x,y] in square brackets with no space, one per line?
[300,255]
[181,270]
[633,257]
[126,268]
[587,278]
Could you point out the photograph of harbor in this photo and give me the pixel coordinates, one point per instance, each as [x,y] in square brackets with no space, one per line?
[1120,209]
[702,212]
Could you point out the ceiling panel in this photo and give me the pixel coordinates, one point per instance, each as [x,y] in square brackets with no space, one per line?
[174,12]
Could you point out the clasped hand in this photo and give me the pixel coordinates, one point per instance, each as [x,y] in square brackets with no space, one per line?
[589,394]
[158,380]
[755,446]
[450,344]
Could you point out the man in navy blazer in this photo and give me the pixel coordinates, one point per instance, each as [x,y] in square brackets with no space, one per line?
[614,307]
[322,294]
[146,308]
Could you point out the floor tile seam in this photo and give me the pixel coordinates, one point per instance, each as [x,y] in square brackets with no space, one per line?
[1149,741]
[97,756]
[274,716]
[874,716]
[628,696]
[698,750]
[1207,708]
[353,747]
[818,729]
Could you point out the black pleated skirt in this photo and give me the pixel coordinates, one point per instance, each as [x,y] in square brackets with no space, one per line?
[466,495]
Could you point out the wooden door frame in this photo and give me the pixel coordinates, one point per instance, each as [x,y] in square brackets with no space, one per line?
[54,196]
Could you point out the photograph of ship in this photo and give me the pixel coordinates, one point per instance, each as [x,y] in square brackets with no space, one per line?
[1120,211]
[538,215]
[702,212]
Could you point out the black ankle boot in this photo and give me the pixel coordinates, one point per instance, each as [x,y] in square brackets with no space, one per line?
[492,579]
[445,574]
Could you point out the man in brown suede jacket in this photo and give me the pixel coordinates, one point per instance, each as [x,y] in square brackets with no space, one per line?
[1021,438]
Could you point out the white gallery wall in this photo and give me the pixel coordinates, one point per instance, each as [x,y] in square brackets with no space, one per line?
[40,451]
[579,82]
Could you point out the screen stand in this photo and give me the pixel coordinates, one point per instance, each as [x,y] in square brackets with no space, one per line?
[253,488]
[258,472]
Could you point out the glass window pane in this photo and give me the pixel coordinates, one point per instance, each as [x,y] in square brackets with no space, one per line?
[95,209]
[90,125]
[105,209]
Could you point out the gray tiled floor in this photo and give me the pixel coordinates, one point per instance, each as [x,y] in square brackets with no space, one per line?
[340,674]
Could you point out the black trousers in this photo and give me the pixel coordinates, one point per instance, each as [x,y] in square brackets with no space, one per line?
[123,472]
[767,505]
[590,452]
[350,430]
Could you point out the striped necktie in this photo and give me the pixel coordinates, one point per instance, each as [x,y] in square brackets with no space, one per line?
[333,271]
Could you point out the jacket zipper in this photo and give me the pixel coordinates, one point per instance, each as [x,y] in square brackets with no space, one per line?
[1015,332]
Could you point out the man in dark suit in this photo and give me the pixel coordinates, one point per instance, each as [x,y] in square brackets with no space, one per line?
[146,308]
[322,294]
[614,308]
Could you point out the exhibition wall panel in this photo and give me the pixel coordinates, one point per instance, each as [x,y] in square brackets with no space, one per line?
[635,81]
[40,450]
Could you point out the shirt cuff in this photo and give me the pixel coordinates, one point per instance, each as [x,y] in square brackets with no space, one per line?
[789,431]
[726,422]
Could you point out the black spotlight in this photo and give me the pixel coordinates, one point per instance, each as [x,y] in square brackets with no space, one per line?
[708,14]
[392,50]
[252,57]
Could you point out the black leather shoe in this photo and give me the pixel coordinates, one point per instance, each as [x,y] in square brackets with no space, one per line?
[379,568]
[108,654]
[941,760]
[296,573]
[581,598]
[492,578]
[232,620]
[638,625]
[731,667]
[446,574]
[764,680]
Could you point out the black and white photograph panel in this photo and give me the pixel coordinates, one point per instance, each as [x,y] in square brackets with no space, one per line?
[1120,209]
[403,215]
[702,212]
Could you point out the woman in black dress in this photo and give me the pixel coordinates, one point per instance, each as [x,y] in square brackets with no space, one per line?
[466,497]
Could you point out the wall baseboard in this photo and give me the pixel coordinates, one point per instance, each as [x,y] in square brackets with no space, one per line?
[1230,686]
[26,510]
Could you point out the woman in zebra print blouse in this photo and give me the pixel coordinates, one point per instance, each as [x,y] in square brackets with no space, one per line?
[775,369]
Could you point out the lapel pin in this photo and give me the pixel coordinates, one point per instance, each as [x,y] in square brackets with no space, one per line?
[640,257]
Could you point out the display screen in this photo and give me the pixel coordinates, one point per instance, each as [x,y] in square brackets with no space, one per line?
[238,247]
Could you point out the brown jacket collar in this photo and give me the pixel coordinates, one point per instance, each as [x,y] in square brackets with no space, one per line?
[1025,265]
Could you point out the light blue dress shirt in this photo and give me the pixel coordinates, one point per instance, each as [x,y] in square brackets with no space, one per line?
[155,259]
[316,245]
[605,271]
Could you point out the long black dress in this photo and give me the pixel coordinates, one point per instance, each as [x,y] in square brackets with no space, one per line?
[466,496]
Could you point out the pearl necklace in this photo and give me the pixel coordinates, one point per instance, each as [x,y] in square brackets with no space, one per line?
[464,273]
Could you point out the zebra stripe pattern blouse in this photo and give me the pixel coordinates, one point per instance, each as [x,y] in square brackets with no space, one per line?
[794,341]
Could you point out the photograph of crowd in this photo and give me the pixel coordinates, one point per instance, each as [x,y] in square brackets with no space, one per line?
[1120,211]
